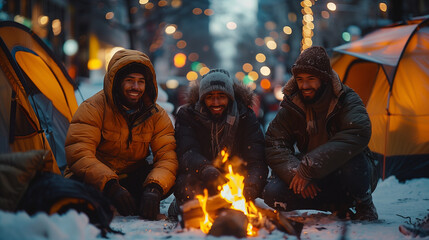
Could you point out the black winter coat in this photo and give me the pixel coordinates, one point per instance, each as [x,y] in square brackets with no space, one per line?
[193,138]
[347,124]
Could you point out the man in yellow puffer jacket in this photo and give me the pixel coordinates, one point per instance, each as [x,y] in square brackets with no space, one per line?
[113,133]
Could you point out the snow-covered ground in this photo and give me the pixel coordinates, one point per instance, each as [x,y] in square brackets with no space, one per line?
[397,204]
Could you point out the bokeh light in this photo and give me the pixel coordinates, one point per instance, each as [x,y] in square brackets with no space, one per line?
[109,15]
[331,6]
[247,67]
[181,44]
[43,20]
[240,75]
[56,27]
[383,7]
[253,75]
[264,70]
[70,47]
[231,25]
[148,5]
[259,41]
[260,57]
[170,29]
[270,25]
[292,17]
[265,84]
[204,70]
[208,12]
[193,57]
[191,76]
[94,64]
[287,30]
[176,3]
[278,93]
[172,83]
[197,11]
[271,45]
[162,3]
[325,14]
[346,36]
[179,60]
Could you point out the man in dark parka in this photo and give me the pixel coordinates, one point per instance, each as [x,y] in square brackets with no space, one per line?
[317,144]
[217,117]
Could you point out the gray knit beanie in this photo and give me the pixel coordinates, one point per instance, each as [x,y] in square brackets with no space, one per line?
[313,60]
[216,80]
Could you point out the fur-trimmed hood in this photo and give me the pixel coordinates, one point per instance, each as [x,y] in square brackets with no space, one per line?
[242,94]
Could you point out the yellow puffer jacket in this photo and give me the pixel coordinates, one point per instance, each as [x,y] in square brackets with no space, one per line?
[97,144]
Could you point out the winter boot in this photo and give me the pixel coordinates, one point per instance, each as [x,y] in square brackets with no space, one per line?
[174,210]
[366,211]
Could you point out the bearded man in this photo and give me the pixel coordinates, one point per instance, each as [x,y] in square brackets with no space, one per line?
[114,133]
[317,145]
[218,117]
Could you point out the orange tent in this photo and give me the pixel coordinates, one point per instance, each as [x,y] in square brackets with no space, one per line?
[37,94]
[389,69]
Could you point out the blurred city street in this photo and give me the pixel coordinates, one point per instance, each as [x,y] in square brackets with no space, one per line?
[257,41]
[353,112]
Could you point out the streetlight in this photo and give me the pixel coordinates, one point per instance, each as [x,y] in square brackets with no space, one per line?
[331,6]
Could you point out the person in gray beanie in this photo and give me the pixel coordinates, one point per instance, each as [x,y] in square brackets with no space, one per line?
[216,80]
[218,116]
[326,121]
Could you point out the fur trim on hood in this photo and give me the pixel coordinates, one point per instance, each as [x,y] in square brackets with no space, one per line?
[242,94]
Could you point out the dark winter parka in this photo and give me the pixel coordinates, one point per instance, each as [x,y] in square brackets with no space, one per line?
[195,136]
[347,124]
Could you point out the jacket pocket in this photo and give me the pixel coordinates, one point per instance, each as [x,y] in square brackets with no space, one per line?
[142,137]
[140,145]
[110,143]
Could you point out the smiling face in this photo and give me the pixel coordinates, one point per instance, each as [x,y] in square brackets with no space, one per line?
[310,87]
[216,102]
[132,88]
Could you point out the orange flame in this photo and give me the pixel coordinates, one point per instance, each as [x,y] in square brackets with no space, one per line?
[232,192]
[205,225]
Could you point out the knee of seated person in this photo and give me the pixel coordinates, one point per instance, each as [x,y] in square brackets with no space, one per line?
[271,192]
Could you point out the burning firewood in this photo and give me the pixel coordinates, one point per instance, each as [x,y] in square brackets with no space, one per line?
[193,213]
[230,222]
[228,213]
[281,220]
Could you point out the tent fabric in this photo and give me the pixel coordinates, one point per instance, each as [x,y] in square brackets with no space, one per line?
[389,69]
[5,96]
[41,76]
[383,46]
[38,95]
[26,136]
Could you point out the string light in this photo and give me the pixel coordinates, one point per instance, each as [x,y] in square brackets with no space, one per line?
[307,24]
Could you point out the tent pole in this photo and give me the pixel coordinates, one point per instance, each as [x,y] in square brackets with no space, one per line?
[386,139]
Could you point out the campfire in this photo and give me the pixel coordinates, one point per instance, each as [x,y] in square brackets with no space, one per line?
[228,213]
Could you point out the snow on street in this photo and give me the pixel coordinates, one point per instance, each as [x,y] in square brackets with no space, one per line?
[397,203]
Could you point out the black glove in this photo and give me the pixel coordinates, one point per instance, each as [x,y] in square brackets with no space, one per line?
[149,205]
[212,178]
[121,198]
[209,174]
[250,193]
